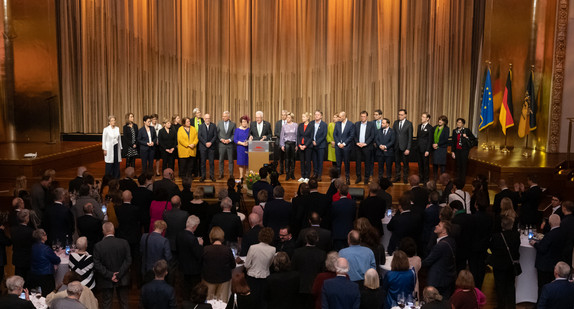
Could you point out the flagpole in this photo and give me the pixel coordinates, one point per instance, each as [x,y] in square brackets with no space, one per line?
[484,145]
[530,98]
[505,149]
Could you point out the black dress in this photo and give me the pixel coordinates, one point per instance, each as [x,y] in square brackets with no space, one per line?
[129,140]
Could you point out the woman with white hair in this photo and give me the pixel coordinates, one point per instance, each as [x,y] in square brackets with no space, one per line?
[371,296]
[15,286]
[112,147]
[82,263]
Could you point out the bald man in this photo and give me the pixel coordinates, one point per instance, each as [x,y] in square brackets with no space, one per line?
[207,136]
[251,237]
[340,292]
[112,260]
[548,252]
[129,221]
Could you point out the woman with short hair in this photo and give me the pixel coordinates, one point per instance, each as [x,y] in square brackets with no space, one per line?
[82,263]
[42,262]
[112,147]
[371,296]
[129,141]
[466,295]
[399,281]
[167,140]
[218,262]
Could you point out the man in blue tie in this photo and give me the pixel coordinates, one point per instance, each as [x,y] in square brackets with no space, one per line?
[343,136]
[385,142]
[319,144]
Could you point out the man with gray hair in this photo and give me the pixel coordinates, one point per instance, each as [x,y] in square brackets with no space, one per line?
[58,219]
[176,222]
[560,292]
[280,155]
[207,135]
[225,134]
[260,130]
[15,286]
[75,183]
[72,301]
[340,292]
[190,251]
[548,252]
[228,222]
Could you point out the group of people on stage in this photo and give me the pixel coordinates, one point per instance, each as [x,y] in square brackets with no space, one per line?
[371,141]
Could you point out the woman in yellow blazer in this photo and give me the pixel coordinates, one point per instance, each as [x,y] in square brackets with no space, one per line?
[186,148]
[331,147]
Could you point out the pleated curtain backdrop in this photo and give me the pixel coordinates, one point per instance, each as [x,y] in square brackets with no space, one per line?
[170,56]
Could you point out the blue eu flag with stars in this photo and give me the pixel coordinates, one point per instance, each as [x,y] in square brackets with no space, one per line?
[486,107]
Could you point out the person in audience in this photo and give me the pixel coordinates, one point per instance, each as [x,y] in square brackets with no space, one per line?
[506,210]
[399,281]
[463,233]
[371,293]
[340,292]
[87,298]
[229,223]
[234,194]
[277,211]
[22,240]
[556,205]
[342,215]
[481,238]
[308,261]
[86,198]
[4,242]
[282,289]
[15,287]
[259,209]
[154,247]
[384,184]
[360,258]
[128,219]
[112,260]
[548,252]
[58,219]
[262,184]
[42,262]
[560,292]
[113,198]
[167,183]
[301,204]
[190,251]
[337,196]
[430,220]
[176,220]
[334,174]
[420,196]
[128,182]
[198,298]
[504,192]
[409,247]
[433,299]
[324,242]
[157,294]
[252,236]
[241,296]
[403,224]
[329,273]
[441,260]
[90,227]
[466,294]
[258,262]
[82,263]
[371,239]
[218,262]
[72,300]
[203,211]
[567,227]
[286,241]
[530,200]
[160,204]
[374,208]
[458,194]
[504,247]
[447,185]
[319,202]
[142,198]
[73,185]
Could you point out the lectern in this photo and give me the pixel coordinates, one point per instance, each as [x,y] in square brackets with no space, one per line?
[258,155]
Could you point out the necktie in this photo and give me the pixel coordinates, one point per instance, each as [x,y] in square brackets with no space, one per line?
[378,124]
[400,126]
[226,125]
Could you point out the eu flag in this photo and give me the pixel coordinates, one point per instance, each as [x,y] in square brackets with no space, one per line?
[486,107]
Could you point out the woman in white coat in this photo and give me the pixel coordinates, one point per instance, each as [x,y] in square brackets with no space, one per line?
[112,146]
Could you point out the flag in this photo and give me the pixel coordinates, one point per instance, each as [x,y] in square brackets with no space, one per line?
[506,110]
[486,108]
[533,106]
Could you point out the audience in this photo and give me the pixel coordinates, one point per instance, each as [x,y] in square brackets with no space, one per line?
[360,258]
[229,223]
[157,294]
[343,213]
[560,292]
[308,261]
[433,299]
[399,281]
[371,293]
[154,247]
[466,294]
[82,263]
[87,297]
[329,273]
[283,284]
[42,263]
[218,262]
[504,247]
[340,292]
[258,262]
[198,298]
[241,296]
[15,287]
[190,252]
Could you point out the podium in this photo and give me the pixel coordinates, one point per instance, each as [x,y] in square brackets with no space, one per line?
[258,154]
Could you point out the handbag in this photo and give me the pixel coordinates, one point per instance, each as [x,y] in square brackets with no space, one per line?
[515,263]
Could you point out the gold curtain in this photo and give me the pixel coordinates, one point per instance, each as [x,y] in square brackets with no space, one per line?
[170,56]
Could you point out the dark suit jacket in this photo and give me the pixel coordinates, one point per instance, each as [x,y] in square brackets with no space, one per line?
[262,185]
[420,199]
[75,184]
[321,135]
[308,261]
[441,263]
[405,224]
[189,252]
[167,140]
[13,301]
[4,242]
[549,250]
[307,135]
[370,132]
[277,215]
[143,138]
[176,220]
[129,223]
[230,224]
[22,245]
[301,210]
[250,238]
[425,138]
[278,126]
[319,203]
[127,184]
[500,260]
[373,208]
[90,227]
[340,293]
[157,294]
[112,255]
[170,186]
[557,294]
[347,137]
[387,140]
[221,131]
[343,214]
[207,136]
[282,290]
[266,131]
[530,199]
[324,242]
[58,222]
[502,194]
[404,136]
[142,198]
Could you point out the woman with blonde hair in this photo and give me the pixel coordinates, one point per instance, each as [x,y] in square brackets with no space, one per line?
[304,141]
[200,208]
[331,147]
[371,296]
[288,143]
[218,262]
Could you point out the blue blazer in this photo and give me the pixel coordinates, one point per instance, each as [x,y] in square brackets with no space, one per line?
[321,135]
[369,134]
[344,137]
[343,214]
[305,134]
[143,139]
[340,293]
[557,294]
[387,140]
[441,263]
[549,250]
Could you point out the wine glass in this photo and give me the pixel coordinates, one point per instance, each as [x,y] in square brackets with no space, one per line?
[401,300]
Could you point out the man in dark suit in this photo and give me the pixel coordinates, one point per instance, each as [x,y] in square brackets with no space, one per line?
[441,261]
[142,198]
[324,242]
[404,131]
[403,224]
[91,227]
[262,184]
[555,208]
[385,142]
[504,192]
[343,214]
[154,247]
[158,293]
[22,241]
[319,144]
[567,227]
[59,220]
[196,122]
[128,182]
[225,134]
[147,143]
[318,202]
[560,292]
[176,220]
[420,195]
[373,208]
[277,211]
[340,292]
[167,184]
[424,146]
[260,130]
[229,222]
[530,199]
[15,286]
[548,252]
[190,251]
[286,241]
[278,154]
[207,137]
[112,260]
[343,136]
[463,230]
[252,236]
[75,183]
[308,261]
[129,225]
[364,137]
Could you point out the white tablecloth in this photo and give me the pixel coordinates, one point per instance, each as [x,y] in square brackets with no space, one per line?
[387,233]
[63,268]
[527,282]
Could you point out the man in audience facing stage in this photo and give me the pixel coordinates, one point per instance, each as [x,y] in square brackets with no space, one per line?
[277,211]
[128,182]
[142,198]
[324,242]
[190,251]
[176,220]
[262,184]
[560,292]
[167,183]
[504,192]
[567,227]
[157,293]
[308,261]
[72,301]
[154,247]
[75,183]
[279,155]
[343,214]
[340,292]
[260,130]
[360,258]
[385,142]
[548,252]
[207,136]
[403,224]
[343,136]
[252,236]
[424,146]
[112,260]
[91,227]
[441,261]
[364,137]
[228,222]
[404,138]
[530,199]
[319,144]
[373,208]
[225,134]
